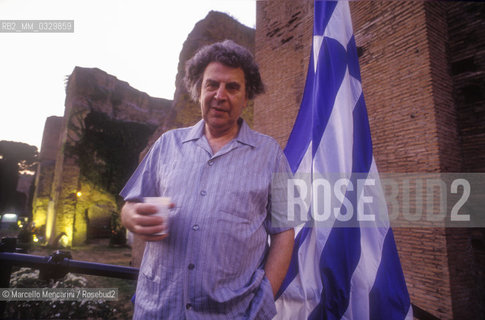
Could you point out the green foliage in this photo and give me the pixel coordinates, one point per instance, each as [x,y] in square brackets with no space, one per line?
[54,309]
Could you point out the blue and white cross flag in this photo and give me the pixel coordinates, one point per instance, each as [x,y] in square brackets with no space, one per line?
[345,263]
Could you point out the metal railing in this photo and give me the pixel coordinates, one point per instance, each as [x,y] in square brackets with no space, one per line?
[55,266]
[60,263]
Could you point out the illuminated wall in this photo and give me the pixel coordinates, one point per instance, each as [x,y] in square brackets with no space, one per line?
[105,126]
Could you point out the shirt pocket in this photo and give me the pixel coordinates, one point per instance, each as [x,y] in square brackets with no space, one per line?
[245,197]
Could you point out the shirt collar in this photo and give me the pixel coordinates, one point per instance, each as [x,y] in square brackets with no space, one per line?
[195,132]
[245,135]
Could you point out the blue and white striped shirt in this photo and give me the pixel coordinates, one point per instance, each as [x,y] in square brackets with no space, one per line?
[211,264]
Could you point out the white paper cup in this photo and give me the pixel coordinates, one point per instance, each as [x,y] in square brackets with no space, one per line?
[163,205]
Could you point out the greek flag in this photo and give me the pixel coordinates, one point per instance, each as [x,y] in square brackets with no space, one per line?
[347,270]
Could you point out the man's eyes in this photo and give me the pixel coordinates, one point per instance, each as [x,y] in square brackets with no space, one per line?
[211,85]
[231,87]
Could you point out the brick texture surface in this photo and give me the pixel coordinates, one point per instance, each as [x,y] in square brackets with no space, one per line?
[466,50]
[422,76]
[283,41]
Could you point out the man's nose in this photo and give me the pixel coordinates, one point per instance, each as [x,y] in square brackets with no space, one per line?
[221,92]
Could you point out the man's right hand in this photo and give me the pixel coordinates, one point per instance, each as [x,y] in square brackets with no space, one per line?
[138,218]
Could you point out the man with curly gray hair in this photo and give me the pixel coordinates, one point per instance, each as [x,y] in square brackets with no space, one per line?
[214,260]
[230,54]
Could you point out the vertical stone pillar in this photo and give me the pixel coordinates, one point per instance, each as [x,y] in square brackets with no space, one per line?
[45,171]
[67,174]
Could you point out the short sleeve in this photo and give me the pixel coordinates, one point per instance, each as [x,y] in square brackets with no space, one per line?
[277,220]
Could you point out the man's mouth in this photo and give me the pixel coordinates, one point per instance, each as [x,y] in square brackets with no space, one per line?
[218,109]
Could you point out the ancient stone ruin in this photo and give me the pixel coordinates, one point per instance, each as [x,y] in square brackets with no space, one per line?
[105,125]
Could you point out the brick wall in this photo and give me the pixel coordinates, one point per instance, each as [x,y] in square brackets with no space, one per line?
[410,99]
[398,82]
[466,28]
[283,41]
[466,33]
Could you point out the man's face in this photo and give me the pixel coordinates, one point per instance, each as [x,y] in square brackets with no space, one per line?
[222,96]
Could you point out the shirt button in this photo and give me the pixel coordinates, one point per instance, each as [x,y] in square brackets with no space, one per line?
[191,266]
[210,162]
[188,306]
[203,193]
[195,227]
